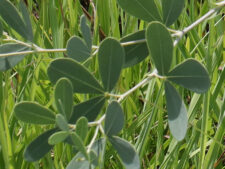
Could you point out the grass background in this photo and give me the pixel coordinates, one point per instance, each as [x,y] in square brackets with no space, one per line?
[54,22]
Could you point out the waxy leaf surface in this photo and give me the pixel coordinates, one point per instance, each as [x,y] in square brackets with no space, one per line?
[171,10]
[31,112]
[64,97]
[160,46]
[137,52]
[126,152]
[39,147]
[13,18]
[142,9]
[57,137]
[61,122]
[82,80]
[192,75]
[114,119]
[82,128]
[9,62]
[110,58]
[89,109]
[86,32]
[177,113]
[77,49]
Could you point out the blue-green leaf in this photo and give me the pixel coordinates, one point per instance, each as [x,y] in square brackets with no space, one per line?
[171,10]
[142,9]
[9,62]
[89,109]
[114,119]
[160,46]
[80,162]
[12,17]
[110,58]
[82,80]
[27,22]
[86,32]
[126,152]
[78,143]
[58,137]
[64,97]
[77,49]
[82,127]
[38,147]
[177,113]
[192,75]
[61,122]
[31,112]
[137,52]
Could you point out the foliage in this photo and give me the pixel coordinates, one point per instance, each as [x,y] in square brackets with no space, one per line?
[86,97]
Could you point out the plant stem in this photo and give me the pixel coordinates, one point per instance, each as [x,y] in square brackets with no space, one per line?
[93,139]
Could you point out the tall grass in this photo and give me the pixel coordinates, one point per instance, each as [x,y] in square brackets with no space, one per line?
[54,21]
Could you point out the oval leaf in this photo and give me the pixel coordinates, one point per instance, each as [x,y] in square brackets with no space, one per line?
[192,75]
[39,147]
[89,109]
[86,32]
[171,10]
[31,112]
[142,9]
[126,152]
[82,127]
[160,45]
[64,97]
[114,119]
[12,17]
[134,53]
[110,58]
[177,113]
[77,49]
[57,137]
[82,80]
[61,122]
[10,61]
[79,144]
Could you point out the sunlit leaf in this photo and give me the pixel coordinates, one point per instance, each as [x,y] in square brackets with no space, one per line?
[38,147]
[114,119]
[31,112]
[192,75]
[160,46]
[82,127]
[13,18]
[89,109]
[82,80]
[86,32]
[9,62]
[58,137]
[77,49]
[126,152]
[136,52]
[177,113]
[110,58]
[142,9]
[64,97]
[171,10]
[61,122]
